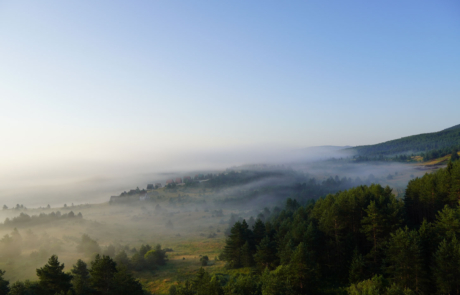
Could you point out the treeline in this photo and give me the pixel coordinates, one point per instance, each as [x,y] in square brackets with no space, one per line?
[360,241]
[133,192]
[233,178]
[434,154]
[146,258]
[426,156]
[301,191]
[104,277]
[448,138]
[25,219]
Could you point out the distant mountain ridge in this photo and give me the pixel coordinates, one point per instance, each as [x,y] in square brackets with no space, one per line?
[447,138]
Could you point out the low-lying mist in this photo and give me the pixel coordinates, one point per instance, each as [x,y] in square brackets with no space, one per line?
[38,184]
[94,182]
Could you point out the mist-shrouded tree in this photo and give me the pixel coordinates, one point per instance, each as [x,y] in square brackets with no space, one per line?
[80,280]
[25,288]
[204,260]
[144,249]
[103,270]
[122,259]
[4,284]
[110,251]
[52,278]
[88,246]
[138,262]
[155,257]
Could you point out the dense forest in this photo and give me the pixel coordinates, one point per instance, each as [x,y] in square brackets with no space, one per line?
[436,141]
[109,273]
[293,185]
[360,241]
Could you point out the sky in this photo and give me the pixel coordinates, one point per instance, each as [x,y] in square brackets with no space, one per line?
[124,85]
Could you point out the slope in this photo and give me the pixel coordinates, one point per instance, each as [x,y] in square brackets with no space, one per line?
[447,138]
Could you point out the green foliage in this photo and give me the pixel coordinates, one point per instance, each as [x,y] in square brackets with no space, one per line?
[155,257]
[81,279]
[445,139]
[103,270]
[4,284]
[25,288]
[364,232]
[204,260]
[357,267]
[374,286]
[447,266]
[125,283]
[52,277]
[404,258]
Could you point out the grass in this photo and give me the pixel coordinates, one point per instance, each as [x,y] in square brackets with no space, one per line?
[183,265]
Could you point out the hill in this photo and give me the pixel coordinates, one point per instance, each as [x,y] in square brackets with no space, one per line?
[446,139]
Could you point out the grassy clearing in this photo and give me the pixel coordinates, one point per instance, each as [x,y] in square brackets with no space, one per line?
[183,264]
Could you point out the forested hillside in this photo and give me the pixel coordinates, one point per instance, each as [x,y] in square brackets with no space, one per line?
[360,241]
[445,139]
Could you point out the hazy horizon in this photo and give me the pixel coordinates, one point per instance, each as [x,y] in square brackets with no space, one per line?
[107,92]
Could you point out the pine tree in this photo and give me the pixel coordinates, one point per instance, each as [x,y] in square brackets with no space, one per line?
[246,256]
[266,254]
[80,280]
[259,231]
[303,271]
[239,235]
[103,270]
[404,258]
[373,224]
[447,266]
[356,273]
[52,277]
[286,253]
[4,284]
[124,283]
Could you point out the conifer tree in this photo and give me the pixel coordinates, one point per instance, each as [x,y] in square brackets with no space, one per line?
[4,284]
[246,256]
[266,254]
[447,266]
[103,270]
[303,271]
[258,231]
[404,258]
[80,280]
[356,273]
[373,224]
[124,283]
[52,278]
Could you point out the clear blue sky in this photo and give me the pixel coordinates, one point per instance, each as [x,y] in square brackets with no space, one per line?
[87,80]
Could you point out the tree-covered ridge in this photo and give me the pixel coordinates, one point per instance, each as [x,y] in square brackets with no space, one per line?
[360,241]
[25,219]
[445,139]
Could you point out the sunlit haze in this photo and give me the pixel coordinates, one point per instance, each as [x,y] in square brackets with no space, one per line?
[106,89]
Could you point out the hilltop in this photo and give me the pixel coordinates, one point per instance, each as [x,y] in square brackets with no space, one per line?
[436,141]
